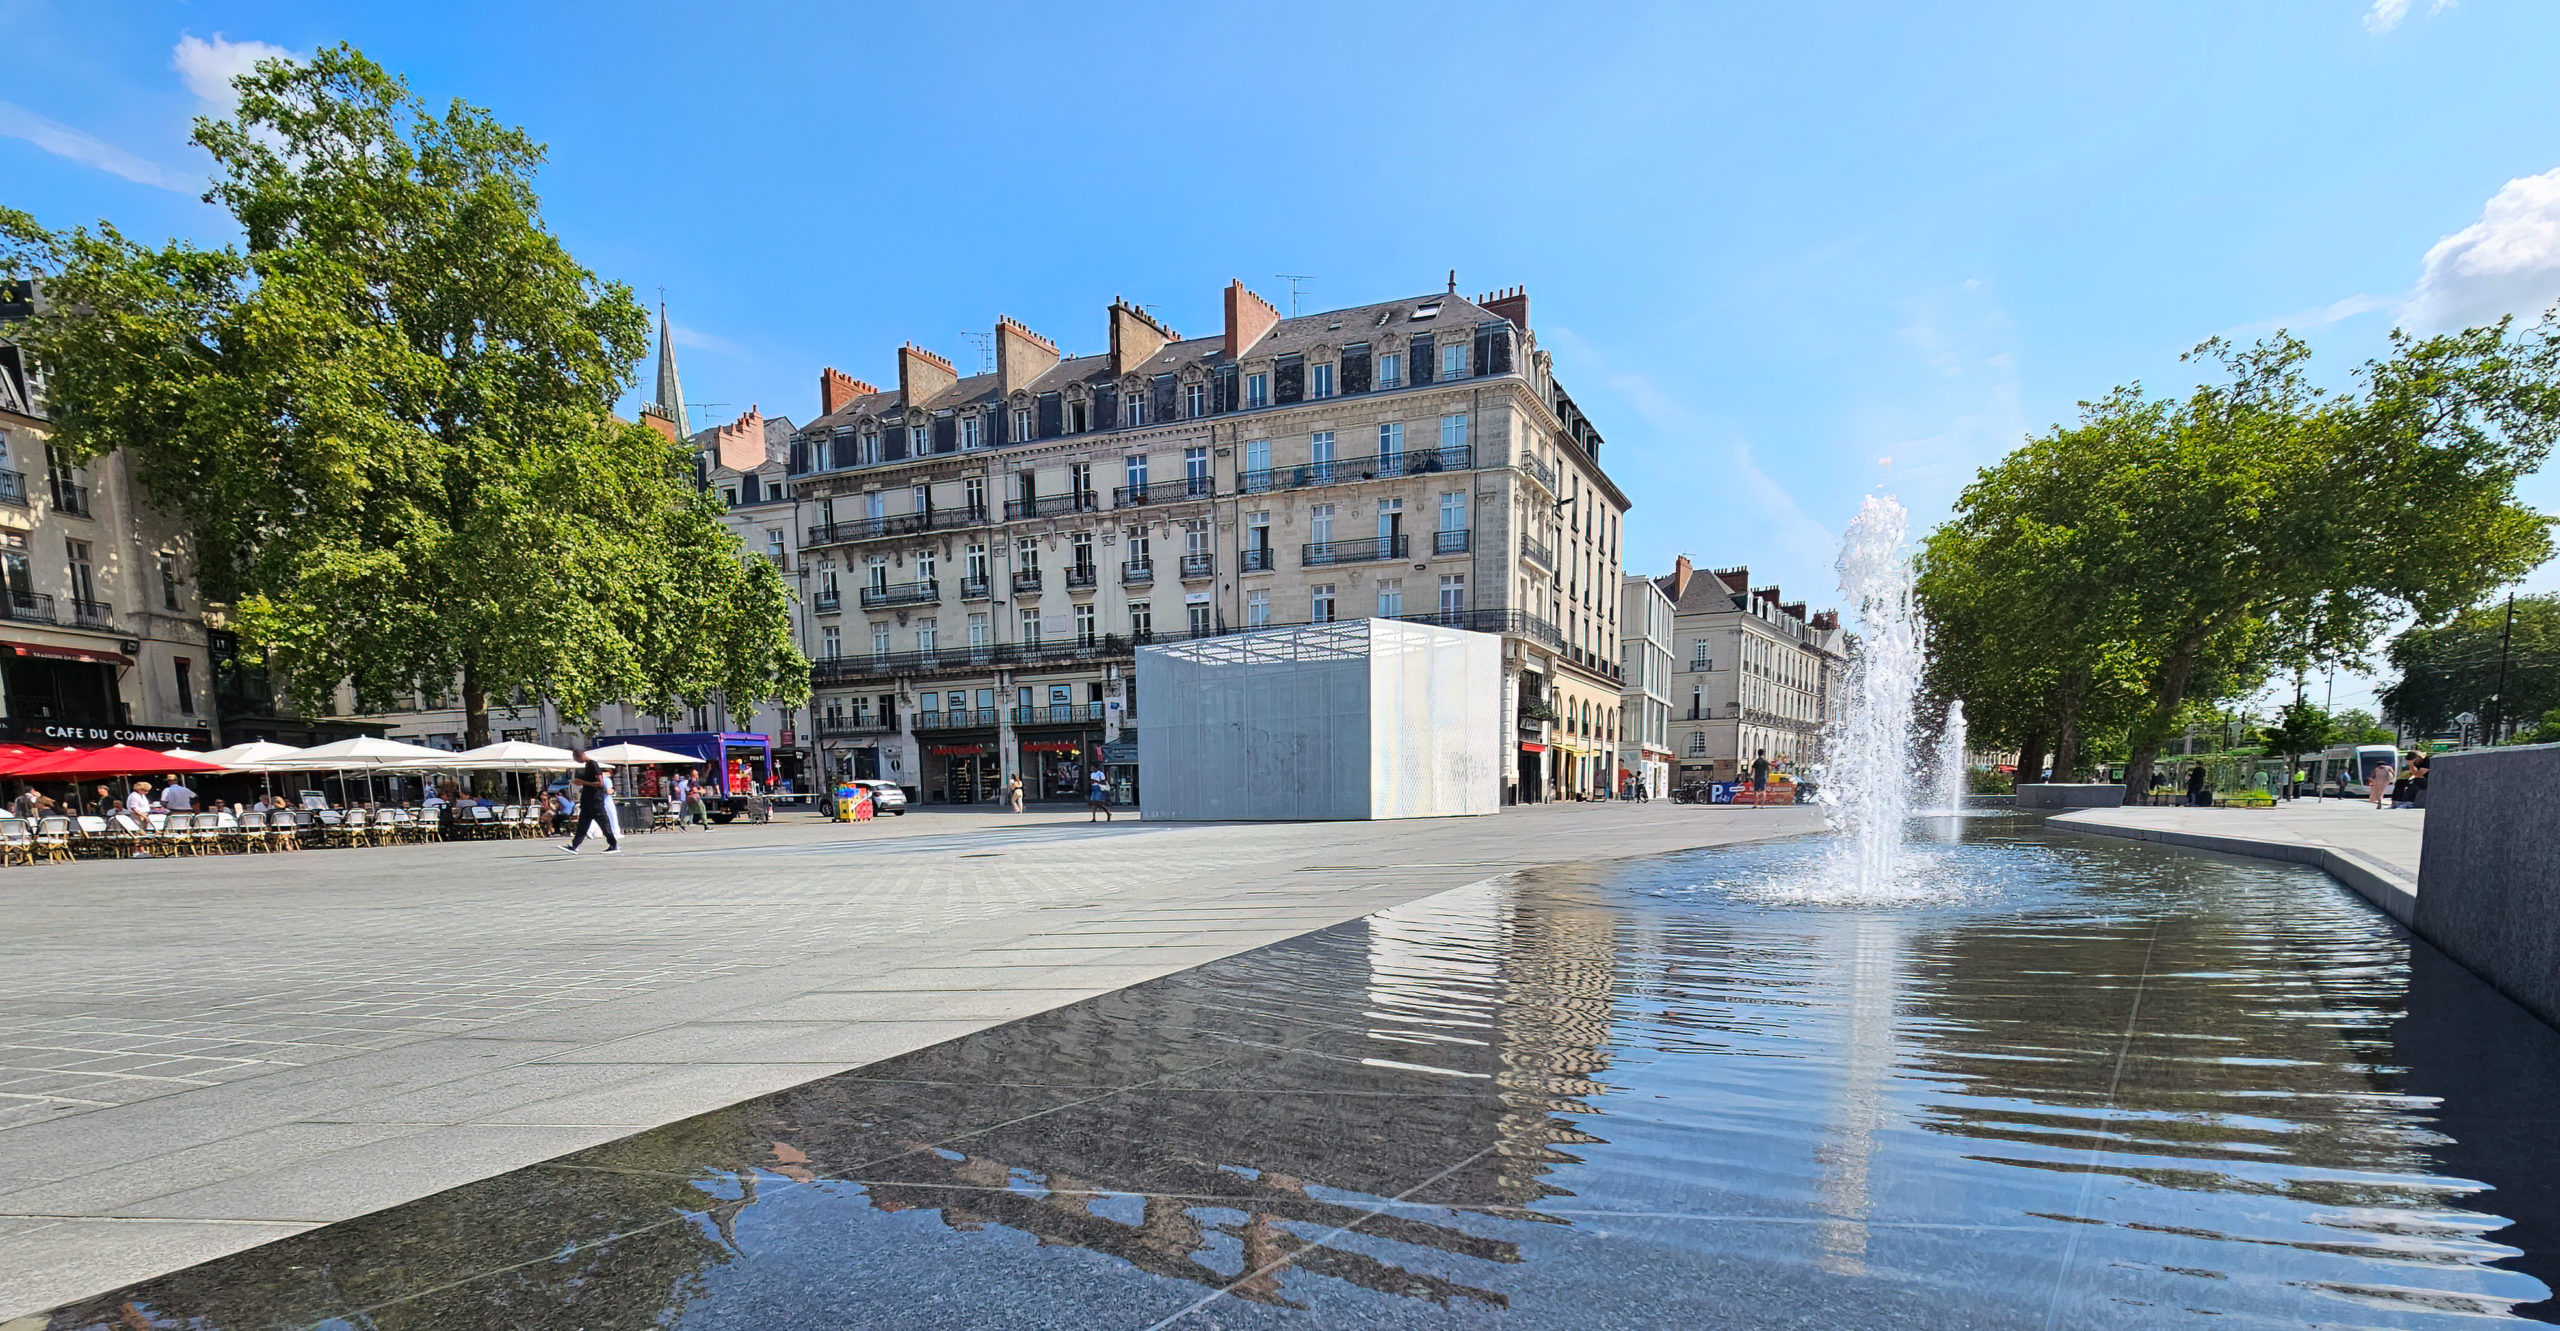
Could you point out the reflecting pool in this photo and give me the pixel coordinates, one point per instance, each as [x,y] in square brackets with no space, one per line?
[2065,1083]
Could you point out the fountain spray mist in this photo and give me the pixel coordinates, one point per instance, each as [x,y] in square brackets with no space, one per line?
[1867,776]
[1951,745]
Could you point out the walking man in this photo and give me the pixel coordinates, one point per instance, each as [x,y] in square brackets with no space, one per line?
[1013,792]
[1759,777]
[694,812]
[1097,798]
[588,781]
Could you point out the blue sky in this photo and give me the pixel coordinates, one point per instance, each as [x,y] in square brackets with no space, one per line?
[1770,246]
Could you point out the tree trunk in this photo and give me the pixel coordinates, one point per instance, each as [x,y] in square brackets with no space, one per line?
[2066,726]
[2164,709]
[475,707]
[2031,756]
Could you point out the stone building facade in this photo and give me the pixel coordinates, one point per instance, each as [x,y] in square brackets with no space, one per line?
[102,630]
[1752,672]
[1645,618]
[983,551]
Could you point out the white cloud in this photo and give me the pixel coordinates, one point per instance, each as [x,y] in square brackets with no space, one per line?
[2508,262]
[208,66]
[702,341]
[2386,14]
[63,141]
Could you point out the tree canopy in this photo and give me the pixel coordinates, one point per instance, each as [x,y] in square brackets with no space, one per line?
[387,416]
[2453,668]
[2193,545]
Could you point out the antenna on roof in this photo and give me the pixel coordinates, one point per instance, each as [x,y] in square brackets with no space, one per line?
[1294,279]
[986,344]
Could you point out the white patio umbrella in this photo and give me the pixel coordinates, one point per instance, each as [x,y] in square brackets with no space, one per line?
[640,755]
[513,755]
[368,754]
[257,755]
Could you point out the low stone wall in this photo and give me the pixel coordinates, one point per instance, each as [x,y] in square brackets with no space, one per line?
[2070,795]
[2489,870]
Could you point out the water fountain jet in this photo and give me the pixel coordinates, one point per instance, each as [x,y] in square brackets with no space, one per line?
[1951,746]
[1867,773]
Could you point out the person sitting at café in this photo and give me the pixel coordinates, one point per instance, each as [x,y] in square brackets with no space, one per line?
[137,801]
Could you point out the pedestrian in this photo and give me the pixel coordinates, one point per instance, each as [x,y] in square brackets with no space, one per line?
[691,788]
[176,798]
[2377,782]
[1013,791]
[1098,797]
[595,808]
[2195,786]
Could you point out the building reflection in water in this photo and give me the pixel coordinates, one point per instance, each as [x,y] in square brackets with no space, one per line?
[1574,1097]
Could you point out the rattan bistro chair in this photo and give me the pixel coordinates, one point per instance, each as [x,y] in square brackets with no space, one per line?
[17,841]
[53,838]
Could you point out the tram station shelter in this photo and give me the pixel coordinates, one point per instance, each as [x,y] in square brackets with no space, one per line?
[1362,718]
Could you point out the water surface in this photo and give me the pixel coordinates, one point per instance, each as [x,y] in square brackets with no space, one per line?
[2063,1082]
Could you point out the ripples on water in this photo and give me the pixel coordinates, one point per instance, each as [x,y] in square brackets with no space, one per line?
[2055,1083]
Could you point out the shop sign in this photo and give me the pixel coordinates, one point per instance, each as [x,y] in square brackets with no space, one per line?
[148,737]
[1526,747]
[1052,746]
[1121,755]
[957,750]
[1195,598]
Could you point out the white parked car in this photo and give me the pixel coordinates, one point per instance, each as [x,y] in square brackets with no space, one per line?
[886,797]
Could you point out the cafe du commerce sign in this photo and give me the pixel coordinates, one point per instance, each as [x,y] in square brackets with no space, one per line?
[149,737]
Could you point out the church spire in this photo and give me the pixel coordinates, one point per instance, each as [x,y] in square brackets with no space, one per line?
[670,402]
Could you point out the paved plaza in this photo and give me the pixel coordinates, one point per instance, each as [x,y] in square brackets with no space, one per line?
[200,1055]
[2372,851]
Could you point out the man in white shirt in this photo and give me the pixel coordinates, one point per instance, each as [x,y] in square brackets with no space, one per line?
[138,800]
[176,798]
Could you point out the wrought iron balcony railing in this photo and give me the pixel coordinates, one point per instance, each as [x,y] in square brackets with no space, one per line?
[1058,714]
[829,602]
[1137,571]
[28,607]
[13,488]
[1081,575]
[1050,506]
[1258,560]
[93,614]
[867,529]
[1026,580]
[1356,552]
[1165,492]
[1196,567]
[1345,471]
[902,593]
[70,497]
[1449,542]
[975,588]
[843,727]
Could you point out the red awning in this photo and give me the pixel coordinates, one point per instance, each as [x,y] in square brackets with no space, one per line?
[51,653]
[1527,747]
[113,760]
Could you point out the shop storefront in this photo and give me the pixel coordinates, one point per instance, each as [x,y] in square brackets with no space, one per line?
[1055,769]
[963,774]
[1120,766]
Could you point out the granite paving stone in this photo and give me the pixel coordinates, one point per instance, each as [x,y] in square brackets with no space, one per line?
[158,1012]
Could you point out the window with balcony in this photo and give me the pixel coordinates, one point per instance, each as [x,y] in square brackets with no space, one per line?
[1453,593]
[1256,476]
[1142,620]
[1087,622]
[927,637]
[1135,468]
[830,642]
[877,573]
[1320,456]
[880,639]
[1453,432]
[980,631]
[1320,525]
[1391,449]
[1027,626]
[1195,471]
[1390,522]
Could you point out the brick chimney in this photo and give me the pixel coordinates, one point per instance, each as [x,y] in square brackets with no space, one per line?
[1021,355]
[1794,609]
[1248,317]
[836,389]
[1511,303]
[922,375]
[1134,336]
[662,423]
[1681,572]
[739,445]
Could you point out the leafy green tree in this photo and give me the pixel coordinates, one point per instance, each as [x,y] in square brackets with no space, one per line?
[2357,726]
[387,416]
[2262,522]
[2299,730]
[2452,668]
